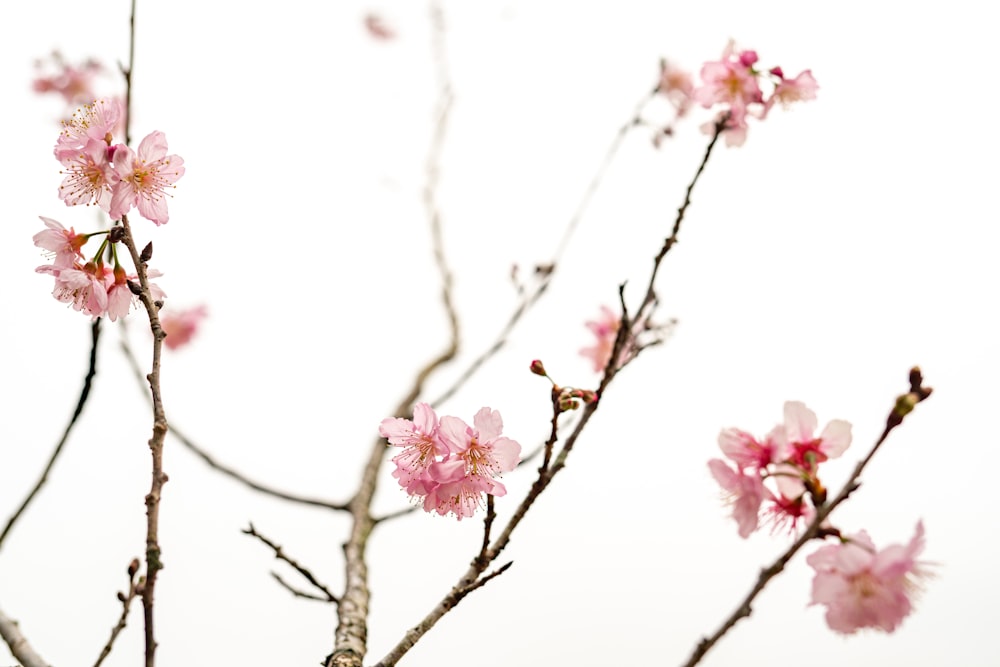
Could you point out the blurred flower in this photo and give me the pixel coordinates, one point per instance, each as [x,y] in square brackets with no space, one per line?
[863,587]
[606,331]
[181,326]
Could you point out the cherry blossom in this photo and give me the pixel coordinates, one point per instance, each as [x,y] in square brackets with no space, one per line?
[606,330]
[73,83]
[863,587]
[806,450]
[91,122]
[448,464]
[89,175]
[63,244]
[421,447]
[745,492]
[778,474]
[181,326]
[803,87]
[143,177]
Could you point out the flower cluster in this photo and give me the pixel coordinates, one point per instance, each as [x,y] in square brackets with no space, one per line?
[74,83]
[733,85]
[447,463]
[863,587]
[90,286]
[777,476]
[113,176]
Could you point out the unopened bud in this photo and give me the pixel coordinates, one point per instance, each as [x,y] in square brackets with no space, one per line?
[567,404]
[147,253]
[588,396]
[134,287]
[537,368]
[133,567]
[121,597]
[905,404]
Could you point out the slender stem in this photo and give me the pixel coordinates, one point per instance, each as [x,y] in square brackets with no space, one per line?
[126,600]
[280,554]
[159,478]
[546,276]
[95,332]
[211,461]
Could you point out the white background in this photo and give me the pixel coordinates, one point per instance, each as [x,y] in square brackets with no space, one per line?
[851,238]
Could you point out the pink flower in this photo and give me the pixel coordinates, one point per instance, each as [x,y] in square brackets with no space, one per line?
[89,175]
[181,326]
[377,28]
[143,178]
[606,331]
[677,86]
[120,297]
[804,449]
[73,83]
[82,286]
[448,464]
[780,469]
[744,492]
[730,81]
[866,588]
[744,449]
[91,122]
[475,457]
[421,447]
[483,450]
[65,245]
[801,88]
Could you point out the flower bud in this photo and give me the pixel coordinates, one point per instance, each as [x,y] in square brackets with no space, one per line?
[537,368]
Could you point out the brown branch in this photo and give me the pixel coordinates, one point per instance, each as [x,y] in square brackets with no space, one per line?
[281,555]
[904,404]
[300,593]
[134,587]
[210,460]
[95,332]
[18,644]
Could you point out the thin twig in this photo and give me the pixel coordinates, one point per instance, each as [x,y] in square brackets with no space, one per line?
[904,404]
[300,593]
[126,600]
[95,332]
[210,460]
[280,555]
[545,277]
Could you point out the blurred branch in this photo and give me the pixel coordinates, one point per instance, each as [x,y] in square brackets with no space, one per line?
[904,405]
[18,644]
[545,273]
[211,461]
[280,555]
[95,332]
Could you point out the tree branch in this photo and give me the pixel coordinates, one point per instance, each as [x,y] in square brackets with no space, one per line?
[95,332]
